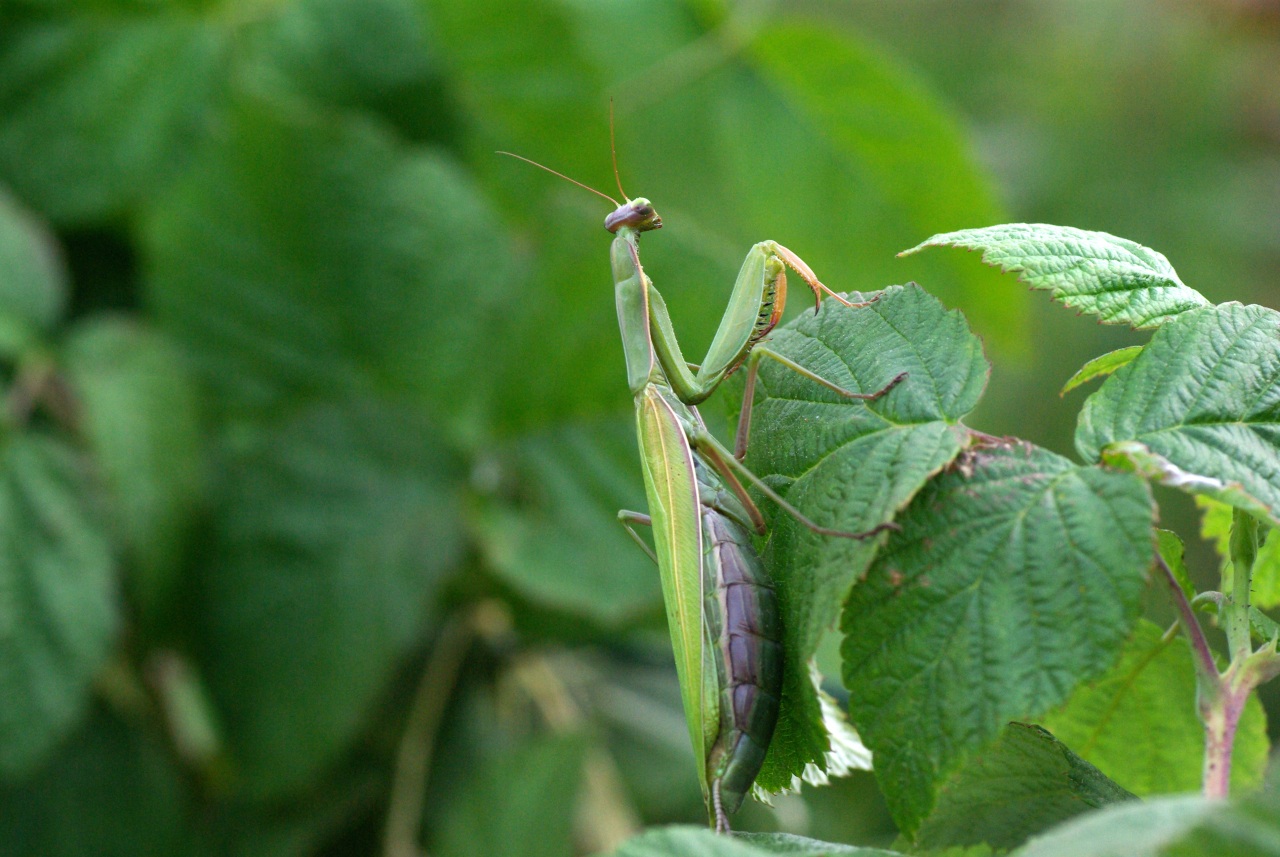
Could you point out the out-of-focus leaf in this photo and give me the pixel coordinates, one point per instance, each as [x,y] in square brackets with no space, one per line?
[1266,572]
[690,110]
[97,109]
[1025,783]
[332,535]
[58,611]
[1143,829]
[313,256]
[521,805]
[1198,409]
[899,164]
[1184,826]
[1139,723]
[1016,575]
[32,282]
[558,541]
[850,465]
[374,55]
[1116,279]
[110,791]
[139,411]
[700,842]
[1100,366]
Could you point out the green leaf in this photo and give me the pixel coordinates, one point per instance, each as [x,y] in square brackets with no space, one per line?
[557,539]
[850,465]
[520,805]
[1139,722]
[1198,409]
[373,56]
[892,137]
[97,109]
[1183,826]
[111,790]
[1215,524]
[1015,576]
[1116,279]
[311,255]
[700,842]
[1129,830]
[1266,573]
[59,611]
[332,535]
[1171,549]
[140,414]
[1100,366]
[32,281]
[1025,783]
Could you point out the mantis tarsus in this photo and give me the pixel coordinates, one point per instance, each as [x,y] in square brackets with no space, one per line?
[721,608]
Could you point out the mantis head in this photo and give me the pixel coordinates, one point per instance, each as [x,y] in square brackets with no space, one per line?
[637,214]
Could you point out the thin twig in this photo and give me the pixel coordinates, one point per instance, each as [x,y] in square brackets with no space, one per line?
[413,757]
[1202,654]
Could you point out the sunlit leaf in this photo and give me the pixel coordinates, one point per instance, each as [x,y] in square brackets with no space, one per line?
[1116,279]
[1199,408]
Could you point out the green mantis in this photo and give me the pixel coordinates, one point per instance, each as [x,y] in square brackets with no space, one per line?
[721,608]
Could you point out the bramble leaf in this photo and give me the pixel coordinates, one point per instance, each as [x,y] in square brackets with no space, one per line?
[33,289]
[558,541]
[1139,723]
[140,414]
[850,464]
[1025,783]
[1099,366]
[334,531]
[1198,409]
[58,610]
[1016,575]
[1116,279]
[700,842]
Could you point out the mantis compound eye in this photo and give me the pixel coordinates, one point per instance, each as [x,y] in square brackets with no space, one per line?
[638,214]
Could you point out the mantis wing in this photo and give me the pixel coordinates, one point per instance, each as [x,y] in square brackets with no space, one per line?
[672,488]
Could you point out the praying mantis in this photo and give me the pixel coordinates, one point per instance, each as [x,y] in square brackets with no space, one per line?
[722,611]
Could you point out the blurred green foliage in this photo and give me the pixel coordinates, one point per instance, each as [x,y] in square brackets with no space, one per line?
[315,423]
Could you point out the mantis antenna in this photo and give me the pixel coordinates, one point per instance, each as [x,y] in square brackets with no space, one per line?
[566,178]
[613,152]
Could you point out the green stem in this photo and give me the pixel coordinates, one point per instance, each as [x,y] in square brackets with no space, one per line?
[1244,550]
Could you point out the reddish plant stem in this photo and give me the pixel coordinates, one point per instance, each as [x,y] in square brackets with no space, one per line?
[1221,716]
[1206,669]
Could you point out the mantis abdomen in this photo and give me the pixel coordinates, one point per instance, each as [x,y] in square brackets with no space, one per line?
[742,620]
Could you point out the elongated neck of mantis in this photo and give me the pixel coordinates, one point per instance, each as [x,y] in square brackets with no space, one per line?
[632,296]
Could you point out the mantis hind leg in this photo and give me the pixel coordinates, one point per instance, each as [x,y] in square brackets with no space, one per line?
[743,434]
[627,518]
[725,464]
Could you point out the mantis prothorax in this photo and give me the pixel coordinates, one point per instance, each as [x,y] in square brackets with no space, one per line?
[721,608]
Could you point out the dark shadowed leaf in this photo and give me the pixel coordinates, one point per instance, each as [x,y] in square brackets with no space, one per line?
[97,109]
[311,255]
[522,806]
[333,533]
[557,539]
[1199,408]
[1016,575]
[1025,783]
[851,465]
[111,790]
[59,611]
[139,411]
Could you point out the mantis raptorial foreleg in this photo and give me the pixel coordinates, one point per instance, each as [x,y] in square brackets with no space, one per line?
[749,391]
[627,518]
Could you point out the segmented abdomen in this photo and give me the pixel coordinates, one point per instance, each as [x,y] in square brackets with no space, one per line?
[742,617]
